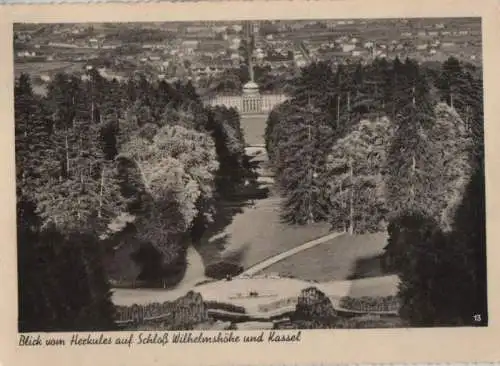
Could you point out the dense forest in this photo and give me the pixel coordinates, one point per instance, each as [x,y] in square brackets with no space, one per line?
[99,162]
[393,146]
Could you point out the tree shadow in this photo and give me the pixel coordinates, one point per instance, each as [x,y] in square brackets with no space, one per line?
[230,203]
[367,267]
[228,265]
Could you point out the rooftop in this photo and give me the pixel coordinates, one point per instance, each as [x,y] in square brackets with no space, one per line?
[250,87]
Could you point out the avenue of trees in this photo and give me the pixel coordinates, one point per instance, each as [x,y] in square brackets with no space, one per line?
[396,146]
[388,146]
[98,161]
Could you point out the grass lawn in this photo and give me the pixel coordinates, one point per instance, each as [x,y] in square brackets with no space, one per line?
[345,257]
[254,127]
[257,233]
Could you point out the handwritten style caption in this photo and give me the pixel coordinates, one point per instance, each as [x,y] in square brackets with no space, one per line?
[157,338]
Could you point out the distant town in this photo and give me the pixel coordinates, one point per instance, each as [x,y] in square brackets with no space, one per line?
[213,53]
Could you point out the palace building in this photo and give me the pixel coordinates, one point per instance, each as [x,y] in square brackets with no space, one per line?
[250,100]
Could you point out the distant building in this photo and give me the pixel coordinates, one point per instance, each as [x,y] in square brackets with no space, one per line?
[189,44]
[237,28]
[94,43]
[348,47]
[250,100]
[196,28]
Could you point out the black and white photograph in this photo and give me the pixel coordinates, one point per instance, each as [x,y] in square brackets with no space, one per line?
[250,175]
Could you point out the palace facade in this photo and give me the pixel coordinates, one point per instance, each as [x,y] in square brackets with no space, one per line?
[249,101]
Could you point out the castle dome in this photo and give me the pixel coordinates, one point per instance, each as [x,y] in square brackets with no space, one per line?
[250,88]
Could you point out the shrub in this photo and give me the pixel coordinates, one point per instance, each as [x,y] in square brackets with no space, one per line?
[314,305]
[222,269]
[225,306]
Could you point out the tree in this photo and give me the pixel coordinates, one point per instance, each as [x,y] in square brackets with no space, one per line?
[420,246]
[450,165]
[307,138]
[225,129]
[79,189]
[318,85]
[409,151]
[32,136]
[273,129]
[62,285]
[451,81]
[356,168]
[176,169]
[443,276]
[468,249]
[461,87]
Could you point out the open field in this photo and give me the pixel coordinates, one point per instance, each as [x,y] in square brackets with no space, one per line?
[38,68]
[341,258]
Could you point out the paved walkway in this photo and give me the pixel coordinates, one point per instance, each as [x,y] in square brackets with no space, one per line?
[284,255]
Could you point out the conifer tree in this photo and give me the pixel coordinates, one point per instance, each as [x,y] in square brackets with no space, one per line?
[301,169]
[32,136]
[225,129]
[409,151]
[274,129]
